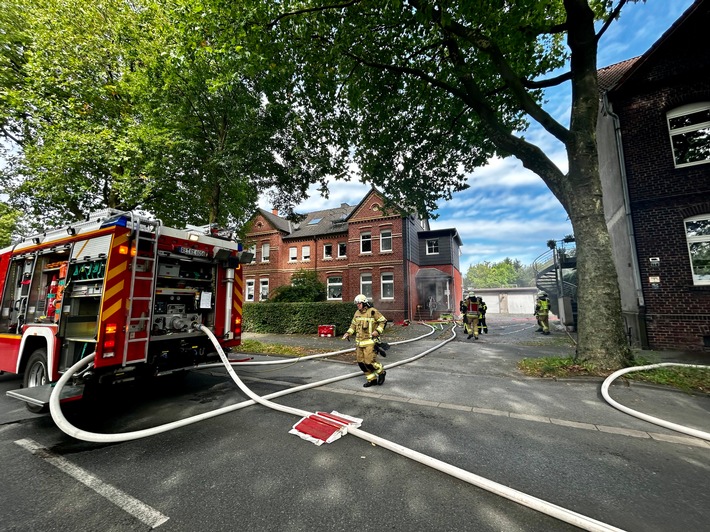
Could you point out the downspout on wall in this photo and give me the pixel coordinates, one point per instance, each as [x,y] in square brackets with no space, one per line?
[405,266]
[643,337]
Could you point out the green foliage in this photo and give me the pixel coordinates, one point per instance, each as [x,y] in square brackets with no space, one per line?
[254,346]
[502,274]
[683,378]
[8,224]
[556,367]
[129,105]
[297,318]
[304,287]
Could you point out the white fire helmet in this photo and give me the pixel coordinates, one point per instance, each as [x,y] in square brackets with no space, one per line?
[360,298]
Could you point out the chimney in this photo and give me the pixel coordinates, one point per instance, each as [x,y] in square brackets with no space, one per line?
[275,212]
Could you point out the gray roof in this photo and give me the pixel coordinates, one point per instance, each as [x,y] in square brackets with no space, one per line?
[317,223]
[453,233]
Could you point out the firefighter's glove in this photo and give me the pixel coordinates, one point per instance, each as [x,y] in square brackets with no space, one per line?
[346,336]
[381,348]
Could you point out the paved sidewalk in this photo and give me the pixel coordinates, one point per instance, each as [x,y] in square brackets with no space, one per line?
[511,339]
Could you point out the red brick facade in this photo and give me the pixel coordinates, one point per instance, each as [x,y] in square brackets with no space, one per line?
[675,72]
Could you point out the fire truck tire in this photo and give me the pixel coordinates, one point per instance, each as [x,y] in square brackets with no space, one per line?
[36,375]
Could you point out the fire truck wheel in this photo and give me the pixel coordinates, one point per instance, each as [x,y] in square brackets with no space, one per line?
[36,375]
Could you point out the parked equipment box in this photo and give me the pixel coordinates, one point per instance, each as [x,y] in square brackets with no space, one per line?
[327,331]
[169,270]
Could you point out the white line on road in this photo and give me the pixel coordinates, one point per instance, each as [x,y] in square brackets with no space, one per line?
[133,506]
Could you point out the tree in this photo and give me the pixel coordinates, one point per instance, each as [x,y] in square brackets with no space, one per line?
[422,92]
[304,288]
[506,273]
[127,105]
[8,224]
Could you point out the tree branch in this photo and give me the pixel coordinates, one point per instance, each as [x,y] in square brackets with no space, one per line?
[510,77]
[613,15]
[297,12]
[544,83]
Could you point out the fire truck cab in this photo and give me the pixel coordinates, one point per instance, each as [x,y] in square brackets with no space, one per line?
[122,287]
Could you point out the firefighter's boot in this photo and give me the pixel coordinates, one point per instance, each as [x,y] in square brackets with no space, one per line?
[381,377]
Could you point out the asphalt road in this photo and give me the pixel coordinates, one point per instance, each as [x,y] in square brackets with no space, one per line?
[464,404]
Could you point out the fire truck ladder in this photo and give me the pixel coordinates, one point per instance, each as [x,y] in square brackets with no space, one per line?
[138,326]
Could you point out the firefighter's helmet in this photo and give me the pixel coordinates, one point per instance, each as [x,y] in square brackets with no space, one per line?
[361,298]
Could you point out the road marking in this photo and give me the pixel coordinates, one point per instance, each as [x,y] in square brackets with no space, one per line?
[131,505]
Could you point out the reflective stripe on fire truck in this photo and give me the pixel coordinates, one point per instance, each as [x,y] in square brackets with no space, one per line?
[238,300]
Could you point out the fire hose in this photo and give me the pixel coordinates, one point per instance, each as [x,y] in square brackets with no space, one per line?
[553,510]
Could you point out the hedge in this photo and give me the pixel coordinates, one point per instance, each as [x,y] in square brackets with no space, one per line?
[297,318]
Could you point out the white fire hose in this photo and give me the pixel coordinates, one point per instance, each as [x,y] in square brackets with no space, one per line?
[563,514]
[667,424]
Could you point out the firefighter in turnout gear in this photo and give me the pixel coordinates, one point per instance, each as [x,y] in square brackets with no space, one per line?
[482,308]
[368,325]
[542,309]
[470,319]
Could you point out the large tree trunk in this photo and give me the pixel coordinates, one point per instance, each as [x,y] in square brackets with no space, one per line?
[601,336]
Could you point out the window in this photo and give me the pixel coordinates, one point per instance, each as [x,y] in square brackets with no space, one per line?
[385,240]
[263,289]
[697,233]
[292,254]
[365,243]
[306,253]
[366,284]
[314,221]
[387,280]
[689,128]
[265,253]
[335,287]
[250,290]
[328,251]
[432,246]
[252,250]
[342,249]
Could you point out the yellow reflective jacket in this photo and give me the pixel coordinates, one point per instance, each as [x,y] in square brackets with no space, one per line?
[364,323]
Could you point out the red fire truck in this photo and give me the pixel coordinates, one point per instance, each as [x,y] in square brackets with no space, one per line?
[126,288]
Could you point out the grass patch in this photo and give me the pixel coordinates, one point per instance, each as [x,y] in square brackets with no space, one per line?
[682,378]
[261,348]
[556,367]
[690,380]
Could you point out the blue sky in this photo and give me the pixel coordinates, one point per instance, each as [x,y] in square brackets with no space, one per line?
[518,212]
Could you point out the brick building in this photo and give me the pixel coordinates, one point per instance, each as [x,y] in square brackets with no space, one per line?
[406,269]
[654,153]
